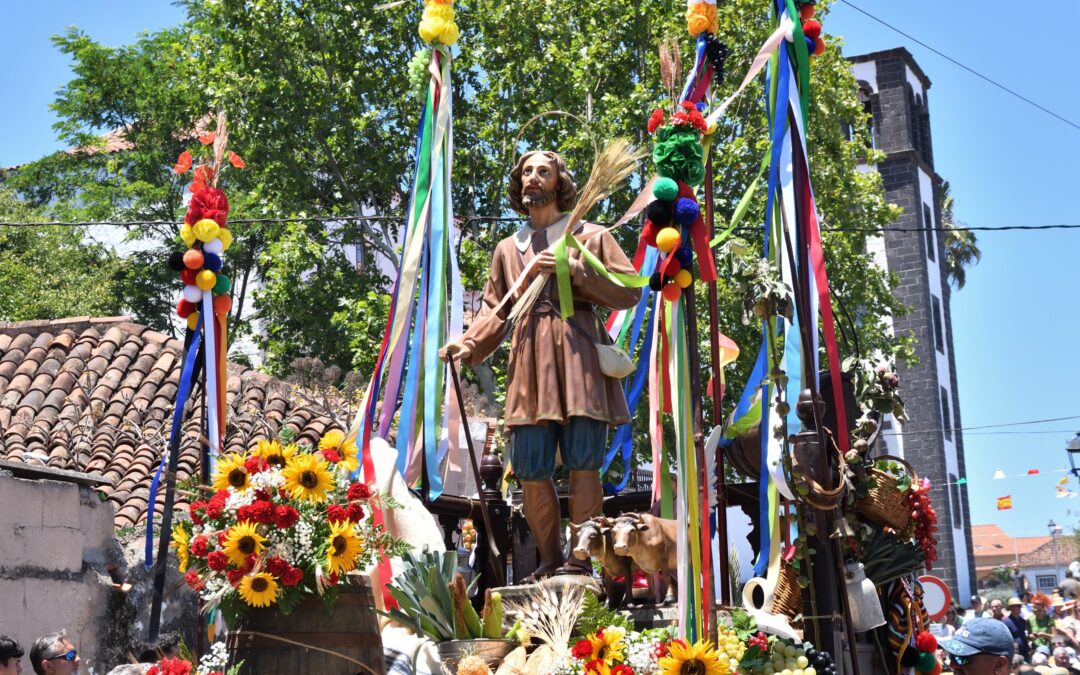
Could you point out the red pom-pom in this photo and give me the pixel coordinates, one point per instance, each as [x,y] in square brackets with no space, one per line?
[819,46]
[655,120]
[188,276]
[806,12]
[185,308]
[812,28]
[671,292]
[222,304]
[193,259]
[672,268]
[649,232]
[926,642]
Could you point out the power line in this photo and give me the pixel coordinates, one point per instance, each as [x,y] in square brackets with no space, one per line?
[993,426]
[967,68]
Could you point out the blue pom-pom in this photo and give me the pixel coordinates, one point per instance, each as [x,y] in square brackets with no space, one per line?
[211,262]
[701,107]
[810,45]
[686,211]
[685,256]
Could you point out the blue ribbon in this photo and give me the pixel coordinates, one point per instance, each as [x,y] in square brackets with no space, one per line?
[433,326]
[182,393]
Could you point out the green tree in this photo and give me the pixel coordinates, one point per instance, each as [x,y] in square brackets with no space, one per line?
[961,245]
[52,272]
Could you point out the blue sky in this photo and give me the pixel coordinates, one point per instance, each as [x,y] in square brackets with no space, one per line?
[1014,324]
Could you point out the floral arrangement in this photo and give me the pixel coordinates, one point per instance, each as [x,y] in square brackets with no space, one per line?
[701,17]
[285,521]
[437,23]
[740,648]
[211,664]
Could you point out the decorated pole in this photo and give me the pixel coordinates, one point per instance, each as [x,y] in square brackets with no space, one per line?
[204,307]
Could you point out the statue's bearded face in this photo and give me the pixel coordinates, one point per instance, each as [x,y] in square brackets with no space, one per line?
[539,181]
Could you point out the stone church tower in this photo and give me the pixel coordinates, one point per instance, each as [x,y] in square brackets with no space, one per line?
[894,89]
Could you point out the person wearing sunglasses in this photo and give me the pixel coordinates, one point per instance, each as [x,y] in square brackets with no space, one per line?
[53,654]
[10,656]
[980,647]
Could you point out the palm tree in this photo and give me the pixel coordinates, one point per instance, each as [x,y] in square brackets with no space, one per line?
[961,245]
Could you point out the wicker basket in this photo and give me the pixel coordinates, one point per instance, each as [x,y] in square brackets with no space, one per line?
[787,598]
[885,504]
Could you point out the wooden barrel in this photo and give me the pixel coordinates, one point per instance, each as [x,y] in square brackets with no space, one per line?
[343,641]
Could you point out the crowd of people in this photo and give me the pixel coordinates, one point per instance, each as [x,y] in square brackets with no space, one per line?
[54,654]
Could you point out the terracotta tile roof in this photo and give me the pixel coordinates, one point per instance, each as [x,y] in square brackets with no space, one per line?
[991,540]
[1065,549]
[91,394]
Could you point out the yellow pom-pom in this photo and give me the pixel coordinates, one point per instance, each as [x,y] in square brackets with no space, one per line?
[192,320]
[226,238]
[683,278]
[450,35]
[206,229]
[697,18]
[205,280]
[437,24]
[187,234]
[667,239]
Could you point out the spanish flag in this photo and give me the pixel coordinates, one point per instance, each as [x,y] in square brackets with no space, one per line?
[1004,503]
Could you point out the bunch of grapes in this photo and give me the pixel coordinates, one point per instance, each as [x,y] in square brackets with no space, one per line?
[468,535]
[729,646]
[821,661]
[925,521]
[788,659]
[418,72]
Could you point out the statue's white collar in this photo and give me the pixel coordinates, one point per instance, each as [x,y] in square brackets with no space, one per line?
[523,238]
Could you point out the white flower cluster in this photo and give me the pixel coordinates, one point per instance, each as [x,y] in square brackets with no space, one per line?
[214,660]
[238,499]
[304,532]
[268,480]
[641,653]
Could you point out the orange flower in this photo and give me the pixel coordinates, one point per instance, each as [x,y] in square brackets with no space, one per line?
[235,160]
[208,137]
[183,163]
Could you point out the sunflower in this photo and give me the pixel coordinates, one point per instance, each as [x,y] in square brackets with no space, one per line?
[343,547]
[336,440]
[180,539]
[307,479]
[259,590]
[274,454]
[231,473]
[241,541]
[607,647]
[699,658]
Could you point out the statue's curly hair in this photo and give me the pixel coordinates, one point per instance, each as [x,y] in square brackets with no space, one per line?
[566,191]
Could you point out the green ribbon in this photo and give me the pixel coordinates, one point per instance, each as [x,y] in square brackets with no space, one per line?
[562,273]
[744,203]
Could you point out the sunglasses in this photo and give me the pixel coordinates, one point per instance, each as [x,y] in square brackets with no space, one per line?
[69,656]
[963,660]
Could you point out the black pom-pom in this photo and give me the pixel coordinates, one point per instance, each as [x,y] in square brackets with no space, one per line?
[176,261]
[660,212]
[685,256]
[656,282]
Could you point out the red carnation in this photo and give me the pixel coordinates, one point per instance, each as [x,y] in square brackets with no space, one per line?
[277,566]
[622,669]
[355,512]
[292,577]
[582,650]
[217,560]
[285,516]
[332,579]
[183,163]
[171,666]
[262,495]
[255,465]
[261,512]
[655,120]
[234,576]
[153,671]
[332,456]
[595,666]
[193,580]
[358,491]
[221,537]
[243,514]
[206,202]
[214,510]
[197,510]
[336,513]
[199,546]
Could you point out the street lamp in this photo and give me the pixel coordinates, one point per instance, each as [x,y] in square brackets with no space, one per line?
[1073,448]
[1055,530]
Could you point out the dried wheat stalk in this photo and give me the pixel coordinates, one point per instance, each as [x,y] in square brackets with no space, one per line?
[549,614]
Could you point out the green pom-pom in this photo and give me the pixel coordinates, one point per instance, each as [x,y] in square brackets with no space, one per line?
[666,189]
[926,662]
[223,285]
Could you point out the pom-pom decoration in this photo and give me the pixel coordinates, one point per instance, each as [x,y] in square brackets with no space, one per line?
[685,256]
[187,234]
[176,261]
[211,262]
[192,320]
[226,239]
[656,282]
[926,662]
[683,278]
[701,17]
[812,28]
[206,229]
[806,12]
[222,304]
[677,153]
[437,23]
[819,47]
[214,246]
[188,276]
[223,285]
[192,294]
[665,189]
[671,267]
[686,211]
[926,642]
[205,280]
[671,292]
[667,239]
[193,259]
[649,232]
[660,212]
[184,308]
[810,44]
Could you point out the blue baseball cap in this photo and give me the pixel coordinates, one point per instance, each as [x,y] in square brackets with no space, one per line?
[980,636]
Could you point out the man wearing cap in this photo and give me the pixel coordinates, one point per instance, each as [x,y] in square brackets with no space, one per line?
[1017,627]
[980,647]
